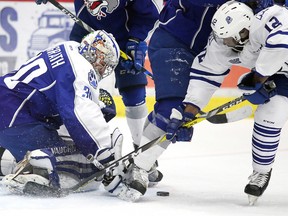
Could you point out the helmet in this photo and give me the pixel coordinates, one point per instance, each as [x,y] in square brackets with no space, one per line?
[281,2]
[258,5]
[230,19]
[102,51]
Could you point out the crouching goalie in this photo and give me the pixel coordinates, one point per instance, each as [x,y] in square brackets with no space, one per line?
[58,88]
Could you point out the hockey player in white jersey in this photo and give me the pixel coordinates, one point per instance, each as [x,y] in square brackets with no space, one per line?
[268,40]
[264,40]
[264,49]
[58,87]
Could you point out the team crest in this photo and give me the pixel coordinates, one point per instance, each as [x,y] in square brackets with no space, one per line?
[92,78]
[229,19]
[99,8]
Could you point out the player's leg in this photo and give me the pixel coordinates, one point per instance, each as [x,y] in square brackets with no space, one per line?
[268,121]
[170,61]
[22,138]
[132,88]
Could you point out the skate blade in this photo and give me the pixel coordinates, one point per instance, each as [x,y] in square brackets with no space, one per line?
[252,200]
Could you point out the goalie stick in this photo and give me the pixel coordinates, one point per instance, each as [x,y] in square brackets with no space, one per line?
[148,145]
[89,29]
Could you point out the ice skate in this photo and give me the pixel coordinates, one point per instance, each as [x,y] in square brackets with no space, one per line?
[135,184]
[154,175]
[257,185]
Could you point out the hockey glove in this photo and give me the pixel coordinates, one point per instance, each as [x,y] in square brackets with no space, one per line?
[137,51]
[174,131]
[109,108]
[38,2]
[262,92]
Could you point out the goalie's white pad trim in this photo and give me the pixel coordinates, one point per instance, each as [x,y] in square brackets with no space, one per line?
[7,163]
[17,184]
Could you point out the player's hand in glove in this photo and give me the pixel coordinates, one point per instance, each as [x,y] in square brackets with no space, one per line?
[108,107]
[175,131]
[136,49]
[257,93]
[38,2]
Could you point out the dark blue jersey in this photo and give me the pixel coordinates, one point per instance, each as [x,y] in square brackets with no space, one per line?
[189,21]
[122,18]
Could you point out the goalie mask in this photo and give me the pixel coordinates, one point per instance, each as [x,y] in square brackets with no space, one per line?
[230,19]
[102,51]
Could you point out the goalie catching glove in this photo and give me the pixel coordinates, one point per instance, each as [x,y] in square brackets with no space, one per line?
[175,131]
[256,92]
[107,104]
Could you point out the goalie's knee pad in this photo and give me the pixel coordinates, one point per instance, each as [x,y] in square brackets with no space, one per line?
[7,162]
[43,163]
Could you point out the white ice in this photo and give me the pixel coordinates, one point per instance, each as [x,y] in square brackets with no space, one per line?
[205,178]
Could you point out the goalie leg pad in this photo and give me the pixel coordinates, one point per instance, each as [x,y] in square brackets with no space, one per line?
[7,162]
[45,160]
[17,184]
[32,185]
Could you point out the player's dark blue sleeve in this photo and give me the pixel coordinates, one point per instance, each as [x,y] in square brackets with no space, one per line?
[143,15]
[207,3]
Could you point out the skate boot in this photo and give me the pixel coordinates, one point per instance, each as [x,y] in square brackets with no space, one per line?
[257,185]
[154,175]
[135,184]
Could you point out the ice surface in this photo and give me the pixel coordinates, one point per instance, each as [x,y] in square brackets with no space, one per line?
[205,178]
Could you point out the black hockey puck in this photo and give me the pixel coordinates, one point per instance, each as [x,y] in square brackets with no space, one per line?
[162,193]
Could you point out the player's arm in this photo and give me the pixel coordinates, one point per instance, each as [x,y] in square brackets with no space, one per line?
[207,73]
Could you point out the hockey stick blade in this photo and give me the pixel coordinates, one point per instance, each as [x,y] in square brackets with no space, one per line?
[232,116]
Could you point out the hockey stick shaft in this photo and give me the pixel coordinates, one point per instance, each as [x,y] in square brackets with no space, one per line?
[112,165]
[215,111]
[89,29]
[156,141]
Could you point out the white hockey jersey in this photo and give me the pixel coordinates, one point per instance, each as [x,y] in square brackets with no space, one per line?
[58,86]
[267,46]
